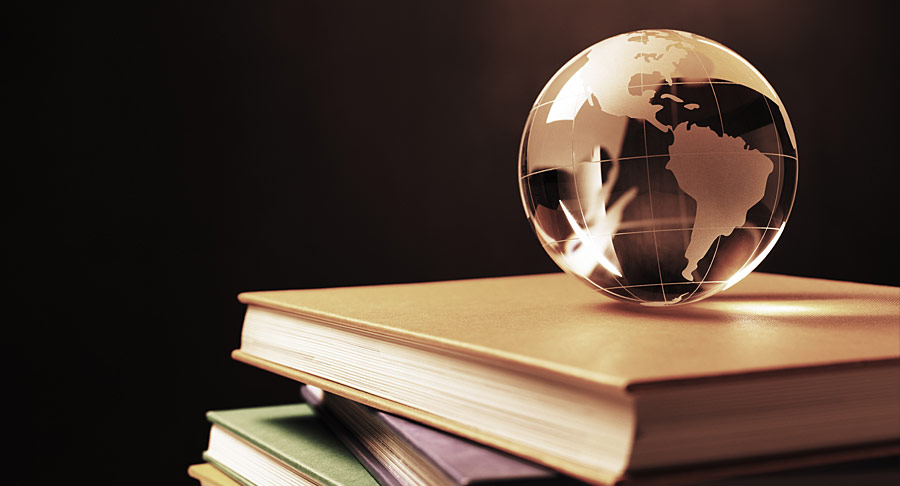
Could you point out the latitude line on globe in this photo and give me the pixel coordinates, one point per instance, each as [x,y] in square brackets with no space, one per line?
[674,83]
[641,157]
[626,287]
[625,297]
[610,291]
[633,297]
[672,229]
[682,83]
[772,154]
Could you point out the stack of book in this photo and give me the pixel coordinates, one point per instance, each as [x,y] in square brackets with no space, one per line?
[538,380]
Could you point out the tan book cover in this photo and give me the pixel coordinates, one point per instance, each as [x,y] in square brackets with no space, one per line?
[208,475]
[554,329]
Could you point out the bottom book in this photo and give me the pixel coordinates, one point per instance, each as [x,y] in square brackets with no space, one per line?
[302,445]
[299,444]
[209,475]
[280,445]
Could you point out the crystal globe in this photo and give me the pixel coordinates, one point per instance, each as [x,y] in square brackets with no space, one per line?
[658,167]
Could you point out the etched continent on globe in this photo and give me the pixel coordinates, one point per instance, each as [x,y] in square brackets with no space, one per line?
[723,176]
[658,166]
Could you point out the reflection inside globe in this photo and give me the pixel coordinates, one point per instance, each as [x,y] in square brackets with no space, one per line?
[658,167]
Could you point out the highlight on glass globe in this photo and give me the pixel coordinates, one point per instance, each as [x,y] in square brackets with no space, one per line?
[658,166]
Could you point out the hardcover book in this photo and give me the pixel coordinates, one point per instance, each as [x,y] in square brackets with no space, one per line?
[872,472]
[208,475]
[282,444]
[777,372]
[400,452]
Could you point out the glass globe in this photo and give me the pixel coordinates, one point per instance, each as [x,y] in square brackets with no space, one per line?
[658,167]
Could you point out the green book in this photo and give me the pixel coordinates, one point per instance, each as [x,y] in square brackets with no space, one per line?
[283,444]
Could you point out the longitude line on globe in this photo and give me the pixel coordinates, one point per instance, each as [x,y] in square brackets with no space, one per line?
[777,188]
[722,125]
[662,288]
[578,194]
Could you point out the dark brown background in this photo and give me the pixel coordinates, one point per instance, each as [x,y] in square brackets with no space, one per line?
[163,157]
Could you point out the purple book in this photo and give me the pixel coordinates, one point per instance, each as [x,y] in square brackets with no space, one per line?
[400,452]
